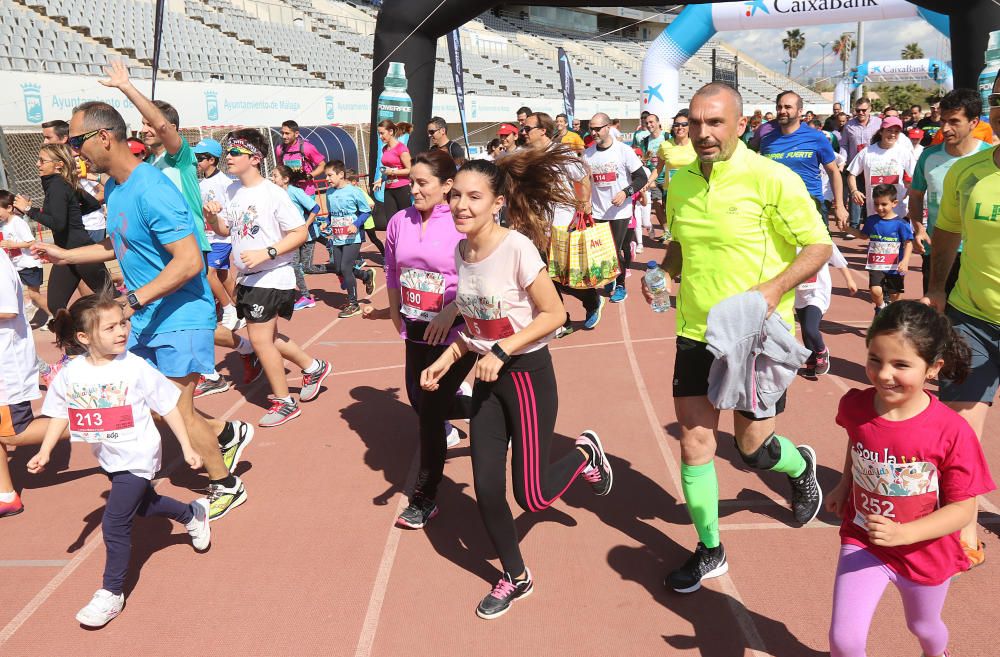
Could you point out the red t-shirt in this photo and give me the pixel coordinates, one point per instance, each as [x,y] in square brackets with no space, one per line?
[905,470]
[392,158]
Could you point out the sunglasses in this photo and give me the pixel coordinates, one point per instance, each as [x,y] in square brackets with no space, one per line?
[595,128]
[236,152]
[993,100]
[431,133]
[201,157]
[77,142]
[680,125]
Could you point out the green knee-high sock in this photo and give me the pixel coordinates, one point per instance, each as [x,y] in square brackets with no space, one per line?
[701,491]
[790,462]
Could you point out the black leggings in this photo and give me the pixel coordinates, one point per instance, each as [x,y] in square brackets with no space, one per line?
[809,318]
[396,199]
[64,279]
[619,231]
[434,409]
[372,236]
[520,408]
[342,262]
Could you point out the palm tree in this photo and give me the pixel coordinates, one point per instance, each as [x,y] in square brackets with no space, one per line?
[843,47]
[912,51]
[793,43]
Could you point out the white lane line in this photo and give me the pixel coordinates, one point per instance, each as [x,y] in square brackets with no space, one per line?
[751,634]
[754,526]
[33,563]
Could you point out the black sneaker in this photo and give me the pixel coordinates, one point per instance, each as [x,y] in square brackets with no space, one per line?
[705,563]
[417,514]
[807,496]
[369,279]
[350,310]
[598,471]
[503,596]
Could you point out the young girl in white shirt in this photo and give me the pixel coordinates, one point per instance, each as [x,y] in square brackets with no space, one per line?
[105,397]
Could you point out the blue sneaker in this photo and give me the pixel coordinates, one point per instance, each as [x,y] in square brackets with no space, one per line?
[594,318]
[619,295]
[609,288]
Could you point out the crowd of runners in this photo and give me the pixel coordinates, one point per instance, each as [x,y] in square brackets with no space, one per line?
[211,253]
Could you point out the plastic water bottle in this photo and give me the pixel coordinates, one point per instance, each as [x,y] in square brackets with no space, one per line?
[656,281]
[989,73]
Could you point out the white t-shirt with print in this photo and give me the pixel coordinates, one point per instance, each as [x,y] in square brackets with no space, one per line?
[493,293]
[18,361]
[817,290]
[96,220]
[563,215]
[259,217]
[885,166]
[214,188]
[610,172]
[108,406]
[17,230]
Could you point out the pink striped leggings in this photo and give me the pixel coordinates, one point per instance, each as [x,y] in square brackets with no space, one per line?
[519,408]
[861,581]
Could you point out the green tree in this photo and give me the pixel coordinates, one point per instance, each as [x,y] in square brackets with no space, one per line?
[912,51]
[900,96]
[843,47]
[793,43]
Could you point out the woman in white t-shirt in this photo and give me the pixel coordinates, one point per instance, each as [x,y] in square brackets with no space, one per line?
[883,162]
[511,311]
[107,397]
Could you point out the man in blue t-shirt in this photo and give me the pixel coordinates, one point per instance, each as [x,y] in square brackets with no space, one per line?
[804,151]
[153,234]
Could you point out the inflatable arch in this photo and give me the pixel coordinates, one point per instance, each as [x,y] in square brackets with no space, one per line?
[407,32]
[904,70]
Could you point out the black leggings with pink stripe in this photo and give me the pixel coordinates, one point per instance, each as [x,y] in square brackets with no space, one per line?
[519,407]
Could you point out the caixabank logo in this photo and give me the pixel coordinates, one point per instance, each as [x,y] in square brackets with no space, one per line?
[32,94]
[795,6]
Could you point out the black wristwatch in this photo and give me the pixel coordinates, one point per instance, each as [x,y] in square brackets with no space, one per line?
[498,351]
[133,301]
[272,252]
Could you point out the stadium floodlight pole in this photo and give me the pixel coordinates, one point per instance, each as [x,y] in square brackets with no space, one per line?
[823,45]
[859,57]
[157,40]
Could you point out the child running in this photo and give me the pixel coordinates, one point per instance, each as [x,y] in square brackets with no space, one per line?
[913,470]
[266,229]
[106,397]
[282,177]
[17,240]
[890,244]
[812,300]
[511,313]
[348,211]
[369,225]
[421,280]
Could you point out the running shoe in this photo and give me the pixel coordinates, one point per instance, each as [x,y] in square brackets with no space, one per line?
[312,382]
[619,295]
[807,496]
[598,470]
[667,236]
[368,276]
[976,556]
[304,302]
[103,608]
[281,411]
[809,369]
[252,368]
[594,318]
[199,529]
[453,438]
[564,330]
[231,453]
[417,514]
[848,237]
[11,508]
[230,319]
[822,365]
[207,387]
[349,310]
[222,500]
[638,248]
[503,595]
[705,563]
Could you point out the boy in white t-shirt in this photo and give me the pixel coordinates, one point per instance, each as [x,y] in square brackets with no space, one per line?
[812,300]
[266,232]
[16,241]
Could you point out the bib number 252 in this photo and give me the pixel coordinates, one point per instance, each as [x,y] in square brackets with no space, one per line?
[876,506]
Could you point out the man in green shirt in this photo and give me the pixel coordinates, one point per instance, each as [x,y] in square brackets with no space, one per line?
[753,227]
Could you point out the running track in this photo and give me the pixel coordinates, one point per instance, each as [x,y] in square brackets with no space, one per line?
[311,565]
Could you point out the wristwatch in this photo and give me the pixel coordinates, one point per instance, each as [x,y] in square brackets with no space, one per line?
[498,351]
[272,252]
[133,301]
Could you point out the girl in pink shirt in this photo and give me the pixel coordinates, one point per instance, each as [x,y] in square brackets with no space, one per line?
[913,470]
[511,311]
[396,161]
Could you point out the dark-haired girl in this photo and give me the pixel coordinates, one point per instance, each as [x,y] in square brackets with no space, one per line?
[421,279]
[511,311]
[396,161]
[913,470]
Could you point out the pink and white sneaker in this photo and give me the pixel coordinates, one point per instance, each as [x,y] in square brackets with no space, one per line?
[598,470]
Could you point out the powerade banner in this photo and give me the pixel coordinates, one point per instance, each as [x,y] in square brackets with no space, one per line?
[455,54]
[568,87]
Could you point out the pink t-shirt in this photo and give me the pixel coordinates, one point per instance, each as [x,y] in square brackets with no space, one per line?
[392,158]
[493,293]
[905,470]
[301,156]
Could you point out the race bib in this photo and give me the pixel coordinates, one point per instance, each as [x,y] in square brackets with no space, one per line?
[341,226]
[883,256]
[295,164]
[883,180]
[484,316]
[422,293]
[605,178]
[489,329]
[861,147]
[114,424]
[903,492]
[809,283]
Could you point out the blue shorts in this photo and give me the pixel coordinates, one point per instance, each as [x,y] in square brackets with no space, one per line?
[176,354]
[218,258]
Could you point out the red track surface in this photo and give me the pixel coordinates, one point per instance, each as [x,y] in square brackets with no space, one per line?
[312,565]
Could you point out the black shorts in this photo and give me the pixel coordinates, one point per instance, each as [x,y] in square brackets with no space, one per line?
[691,368]
[32,276]
[15,418]
[949,285]
[889,282]
[262,304]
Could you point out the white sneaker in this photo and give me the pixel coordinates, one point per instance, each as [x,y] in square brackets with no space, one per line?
[638,248]
[229,318]
[199,528]
[30,310]
[102,609]
[453,437]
